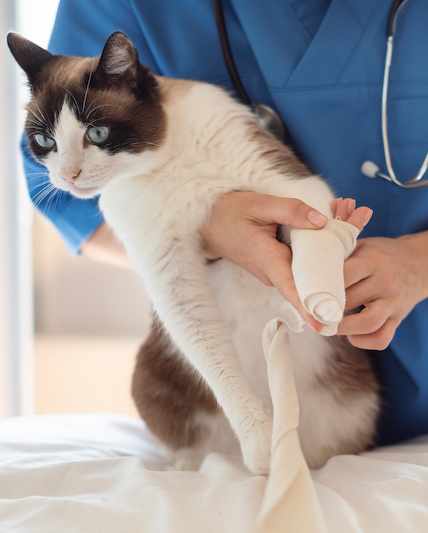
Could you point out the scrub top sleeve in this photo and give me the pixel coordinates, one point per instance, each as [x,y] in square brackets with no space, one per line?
[81,29]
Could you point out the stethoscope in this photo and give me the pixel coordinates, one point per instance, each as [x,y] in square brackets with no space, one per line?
[266,116]
[271,121]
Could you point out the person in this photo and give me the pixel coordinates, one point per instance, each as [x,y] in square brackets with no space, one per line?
[319,63]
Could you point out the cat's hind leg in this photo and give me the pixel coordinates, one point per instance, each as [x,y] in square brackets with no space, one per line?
[176,404]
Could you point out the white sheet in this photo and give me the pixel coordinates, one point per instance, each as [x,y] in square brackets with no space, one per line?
[105,473]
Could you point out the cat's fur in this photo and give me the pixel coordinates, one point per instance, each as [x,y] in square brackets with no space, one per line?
[175,147]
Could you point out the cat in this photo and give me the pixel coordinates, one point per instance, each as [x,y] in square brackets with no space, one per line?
[160,152]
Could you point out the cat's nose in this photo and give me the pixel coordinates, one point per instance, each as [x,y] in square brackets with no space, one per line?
[70,174]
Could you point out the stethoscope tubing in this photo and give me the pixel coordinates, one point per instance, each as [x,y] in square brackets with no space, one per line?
[260,109]
[396,7]
[227,53]
[415,181]
[266,117]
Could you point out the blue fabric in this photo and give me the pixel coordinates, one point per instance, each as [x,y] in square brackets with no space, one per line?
[320,64]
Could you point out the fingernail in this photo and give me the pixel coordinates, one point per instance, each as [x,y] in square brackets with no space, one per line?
[367,217]
[351,206]
[316,218]
[312,327]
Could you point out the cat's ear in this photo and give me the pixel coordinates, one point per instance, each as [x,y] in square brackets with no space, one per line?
[30,57]
[119,64]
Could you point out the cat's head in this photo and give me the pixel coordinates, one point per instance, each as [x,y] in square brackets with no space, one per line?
[90,119]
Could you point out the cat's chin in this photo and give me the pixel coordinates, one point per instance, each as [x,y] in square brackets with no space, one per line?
[84,193]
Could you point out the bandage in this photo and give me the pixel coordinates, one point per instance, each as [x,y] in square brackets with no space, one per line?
[317,265]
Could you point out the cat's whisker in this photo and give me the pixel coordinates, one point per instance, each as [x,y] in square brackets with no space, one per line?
[39,110]
[72,96]
[35,121]
[14,100]
[35,176]
[27,209]
[99,107]
[26,212]
[32,176]
[93,102]
[43,188]
[57,199]
[43,194]
[43,172]
[92,124]
[37,131]
[147,142]
[87,86]
[37,186]
[49,203]
[39,119]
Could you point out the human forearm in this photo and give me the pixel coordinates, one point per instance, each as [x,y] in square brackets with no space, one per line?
[103,246]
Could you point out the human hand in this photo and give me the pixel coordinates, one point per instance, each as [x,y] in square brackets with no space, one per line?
[243,229]
[389,277]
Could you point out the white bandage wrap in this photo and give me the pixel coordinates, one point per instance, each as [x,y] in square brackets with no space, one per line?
[317,265]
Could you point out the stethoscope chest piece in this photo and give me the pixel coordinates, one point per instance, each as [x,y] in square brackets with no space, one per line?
[269,120]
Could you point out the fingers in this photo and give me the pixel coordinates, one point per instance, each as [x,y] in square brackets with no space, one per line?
[360,217]
[355,270]
[345,209]
[237,216]
[379,340]
[369,320]
[372,329]
[287,211]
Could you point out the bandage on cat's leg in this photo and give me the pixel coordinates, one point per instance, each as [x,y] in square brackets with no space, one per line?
[325,307]
[317,265]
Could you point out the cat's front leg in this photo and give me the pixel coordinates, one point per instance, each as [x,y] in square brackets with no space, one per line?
[177,281]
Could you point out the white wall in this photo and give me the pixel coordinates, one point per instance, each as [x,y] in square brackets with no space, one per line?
[77,296]
[33,19]
[16,359]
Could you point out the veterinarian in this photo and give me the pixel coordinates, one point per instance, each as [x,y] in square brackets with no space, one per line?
[320,64]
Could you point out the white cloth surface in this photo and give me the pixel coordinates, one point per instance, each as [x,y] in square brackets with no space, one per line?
[105,473]
[317,266]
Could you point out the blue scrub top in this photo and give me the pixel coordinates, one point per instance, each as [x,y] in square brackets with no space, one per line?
[320,64]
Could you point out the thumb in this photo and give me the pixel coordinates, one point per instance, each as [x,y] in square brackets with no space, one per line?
[287,211]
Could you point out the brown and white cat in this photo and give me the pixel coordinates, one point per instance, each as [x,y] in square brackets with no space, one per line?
[160,152]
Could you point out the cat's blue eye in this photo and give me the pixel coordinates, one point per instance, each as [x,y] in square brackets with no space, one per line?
[43,141]
[98,135]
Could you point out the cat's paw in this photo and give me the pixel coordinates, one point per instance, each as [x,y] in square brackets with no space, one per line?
[187,459]
[256,447]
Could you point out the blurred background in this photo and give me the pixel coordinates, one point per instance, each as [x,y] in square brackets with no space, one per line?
[69,328]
